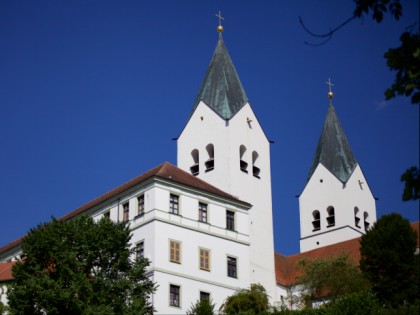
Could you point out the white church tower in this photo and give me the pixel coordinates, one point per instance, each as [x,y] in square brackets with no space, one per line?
[336,204]
[224,144]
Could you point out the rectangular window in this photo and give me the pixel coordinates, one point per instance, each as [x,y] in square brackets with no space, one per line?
[174,291]
[204,295]
[231,267]
[230,220]
[202,212]
[140,250]
[204,259]
[174,204]
[107,215]
[125,212]
[175,252]
[140,208]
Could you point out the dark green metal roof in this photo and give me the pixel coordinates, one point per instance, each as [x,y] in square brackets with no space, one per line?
[221,89]
[333,149]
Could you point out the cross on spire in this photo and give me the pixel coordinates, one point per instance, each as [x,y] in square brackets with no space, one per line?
[219,15]
[220,27]
[330,93]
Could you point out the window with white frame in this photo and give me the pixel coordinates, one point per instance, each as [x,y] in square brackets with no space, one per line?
[174,295]
[230,220]
[126,212]
[140,250]
[174,204]
[204,295]
[140,205]
[202,212]
[232,267]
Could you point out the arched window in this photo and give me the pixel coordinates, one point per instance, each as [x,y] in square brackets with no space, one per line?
[356,217]
[242,157]
[331,216]
[255,169]
[210,162]
[365,217]
[316,223]
[195,168]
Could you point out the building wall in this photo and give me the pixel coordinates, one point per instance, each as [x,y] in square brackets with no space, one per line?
[206,127]
[157,226]
[324,190]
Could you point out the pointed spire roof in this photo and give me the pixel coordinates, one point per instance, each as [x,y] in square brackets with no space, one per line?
[221,89]
[333,149]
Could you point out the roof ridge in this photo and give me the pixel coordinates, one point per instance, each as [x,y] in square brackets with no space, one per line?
[221,89]
[333,150]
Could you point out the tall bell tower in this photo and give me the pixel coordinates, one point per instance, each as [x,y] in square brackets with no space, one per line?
[336,204]
[224,144]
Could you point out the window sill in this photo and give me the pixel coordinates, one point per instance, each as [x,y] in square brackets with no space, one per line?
[330,225]
[139,216]
[317,229]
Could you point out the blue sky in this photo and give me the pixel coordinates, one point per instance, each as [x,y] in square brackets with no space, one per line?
[92,92]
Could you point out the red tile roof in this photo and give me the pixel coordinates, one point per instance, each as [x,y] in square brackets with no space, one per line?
[6,271]
[165,171]
[287,273]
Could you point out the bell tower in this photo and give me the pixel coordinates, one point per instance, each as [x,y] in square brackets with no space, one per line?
[336,204]
[224,144]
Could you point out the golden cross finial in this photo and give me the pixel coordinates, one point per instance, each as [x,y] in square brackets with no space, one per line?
[220,27]
[330,93]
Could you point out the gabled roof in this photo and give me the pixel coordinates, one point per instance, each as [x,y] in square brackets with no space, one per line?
[285,266]
[333,150]
[165,171]
[6,271]
[287,273]
[221,89]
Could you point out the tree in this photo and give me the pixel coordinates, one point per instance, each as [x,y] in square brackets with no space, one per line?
[406,61]
[202,307]
[412,184]
[388,260]
[331,277]
[79,267]
[251,301]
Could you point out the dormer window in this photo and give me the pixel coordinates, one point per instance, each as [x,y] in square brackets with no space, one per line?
[365,217]
[356,217]
[195,168]
[316,223]
[242,155]
[330,217]
[210,162]
[255,168]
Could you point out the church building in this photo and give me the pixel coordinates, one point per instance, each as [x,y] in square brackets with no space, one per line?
[206,224]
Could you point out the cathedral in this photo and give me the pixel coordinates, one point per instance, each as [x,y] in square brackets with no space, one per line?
[206,224]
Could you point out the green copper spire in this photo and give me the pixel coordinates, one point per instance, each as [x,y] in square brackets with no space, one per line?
[221,89]
[333,149]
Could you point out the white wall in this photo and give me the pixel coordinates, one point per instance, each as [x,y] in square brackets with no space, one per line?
[205,127]
[324,190]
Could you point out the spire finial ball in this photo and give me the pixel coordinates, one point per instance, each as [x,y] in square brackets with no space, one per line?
[220,28]
[330,95]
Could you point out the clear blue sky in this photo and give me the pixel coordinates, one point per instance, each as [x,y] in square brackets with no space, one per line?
[92,92]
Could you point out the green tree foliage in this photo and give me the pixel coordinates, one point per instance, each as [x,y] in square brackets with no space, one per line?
[202,307]
[79,267]
[378,8]
[331,277]
[412,184]
[388,260]
[251,301]
[406,61]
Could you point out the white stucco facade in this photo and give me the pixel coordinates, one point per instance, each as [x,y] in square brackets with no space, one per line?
[239,139]
[353,203]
